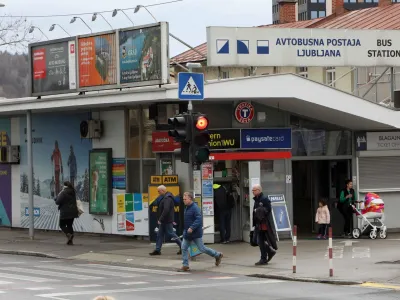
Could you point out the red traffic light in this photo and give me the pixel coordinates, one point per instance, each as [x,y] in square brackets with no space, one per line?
[201,123]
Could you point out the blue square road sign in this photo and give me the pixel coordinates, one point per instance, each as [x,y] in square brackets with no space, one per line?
[191,86]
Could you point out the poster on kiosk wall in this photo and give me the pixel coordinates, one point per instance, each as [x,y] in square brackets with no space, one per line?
[100,182]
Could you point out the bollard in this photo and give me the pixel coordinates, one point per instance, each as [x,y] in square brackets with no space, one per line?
[330,253]
[294,247]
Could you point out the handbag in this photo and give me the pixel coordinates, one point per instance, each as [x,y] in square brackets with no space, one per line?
[254,238]
[79,205]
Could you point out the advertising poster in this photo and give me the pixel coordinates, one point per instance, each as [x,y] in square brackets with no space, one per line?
[197,182]
[131,215]
[119,173]
[140,55]
[97,60]
[5,176]
[207,189]
[207,171]
[208,206]
[59,155]
[166,167]
[53,67]
[281,217]
[100,199]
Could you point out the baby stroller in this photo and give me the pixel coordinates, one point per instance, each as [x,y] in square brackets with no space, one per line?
[373,210]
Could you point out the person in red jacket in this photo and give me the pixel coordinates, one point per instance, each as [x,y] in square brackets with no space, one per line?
[56,160]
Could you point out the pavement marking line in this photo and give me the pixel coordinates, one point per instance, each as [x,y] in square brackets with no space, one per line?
[26,278]
[89,271]
[49,273]
[49,261]
[178,280]
[57,296]
[380,286]
[131,269]
[12,263]
[5,282]
[2,292]
[133,283]
[39,288]
[87,285]
[222,277]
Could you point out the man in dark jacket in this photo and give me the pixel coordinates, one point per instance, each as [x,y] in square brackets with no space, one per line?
[66,202]
[264,227]
[225,212]
[165,215]
[193,232]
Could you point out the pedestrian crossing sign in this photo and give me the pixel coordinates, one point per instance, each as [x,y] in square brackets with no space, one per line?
[191,86]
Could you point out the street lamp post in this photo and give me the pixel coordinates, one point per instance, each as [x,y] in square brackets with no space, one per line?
[54,25]
[35,27]
[94,17]
[141,6]
[115,12]
[74,19]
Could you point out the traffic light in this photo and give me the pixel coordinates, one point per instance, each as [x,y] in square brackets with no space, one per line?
[181,131]
[201,137]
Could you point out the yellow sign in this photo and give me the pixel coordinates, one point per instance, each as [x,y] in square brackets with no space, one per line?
[198,201]
[153,193]
[3,138]
[145,198]
[170,179]
[156,180]
[121,203]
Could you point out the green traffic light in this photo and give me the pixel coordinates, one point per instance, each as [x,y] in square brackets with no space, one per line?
[202,155]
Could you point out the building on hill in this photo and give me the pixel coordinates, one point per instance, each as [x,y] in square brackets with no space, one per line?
[349,79]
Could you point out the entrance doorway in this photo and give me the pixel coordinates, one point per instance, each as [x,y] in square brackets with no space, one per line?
[312,181]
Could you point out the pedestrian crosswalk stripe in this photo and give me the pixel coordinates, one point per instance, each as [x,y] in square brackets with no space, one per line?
[5,282]
[178,280]
[131,269]
[222,278]
[39,288]
[49,273]
[88,271]
[133,283]
[25,278]
[87,285]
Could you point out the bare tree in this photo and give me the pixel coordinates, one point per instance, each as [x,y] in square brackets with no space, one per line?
[14,34]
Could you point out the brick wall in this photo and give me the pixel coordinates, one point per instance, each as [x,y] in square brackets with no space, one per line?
[287,11]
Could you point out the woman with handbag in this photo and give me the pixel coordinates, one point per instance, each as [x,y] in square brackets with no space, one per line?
[68,208]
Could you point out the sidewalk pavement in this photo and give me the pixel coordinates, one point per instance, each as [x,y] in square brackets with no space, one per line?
[355,261]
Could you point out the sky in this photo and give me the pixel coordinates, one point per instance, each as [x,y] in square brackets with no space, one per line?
[187,19]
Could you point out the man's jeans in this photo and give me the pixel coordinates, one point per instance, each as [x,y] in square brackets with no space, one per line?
[166,229]
[199,243]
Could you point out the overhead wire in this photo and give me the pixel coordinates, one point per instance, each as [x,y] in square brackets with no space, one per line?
[87,13]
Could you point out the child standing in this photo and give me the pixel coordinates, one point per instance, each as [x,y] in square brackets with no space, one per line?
[323,218]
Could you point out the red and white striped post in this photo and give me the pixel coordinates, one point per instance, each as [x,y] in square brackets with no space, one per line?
[294,247]
[330,253]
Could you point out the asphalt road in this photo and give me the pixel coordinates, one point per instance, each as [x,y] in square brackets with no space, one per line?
[37,278]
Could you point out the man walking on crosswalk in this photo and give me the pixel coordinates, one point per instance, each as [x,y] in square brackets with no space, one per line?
[193,232]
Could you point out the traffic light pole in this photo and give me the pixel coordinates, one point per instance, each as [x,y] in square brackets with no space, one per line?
[190,164]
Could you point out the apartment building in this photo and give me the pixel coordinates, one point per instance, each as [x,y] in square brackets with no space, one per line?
[357,81]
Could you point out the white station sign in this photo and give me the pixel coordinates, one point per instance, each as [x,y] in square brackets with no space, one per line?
[255,46]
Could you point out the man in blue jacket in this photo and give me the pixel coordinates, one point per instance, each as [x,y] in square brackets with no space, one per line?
[193,232]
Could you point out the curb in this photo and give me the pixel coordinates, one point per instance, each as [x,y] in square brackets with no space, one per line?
[29,253]
[304,279]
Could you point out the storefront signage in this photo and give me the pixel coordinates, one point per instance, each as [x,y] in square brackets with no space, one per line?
[53,68]
[224,139]
[233,46]
[156,179]
[277,138]
[162,142]
[244,112]
[100,182]
[170,179]
[97,60]
[276,198]
[142,55]
[377,141]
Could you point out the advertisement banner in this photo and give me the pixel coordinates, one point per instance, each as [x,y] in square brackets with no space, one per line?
[257,47]
[97,60]
[377,141]
[119,173]
[222,139]
[5,176]
[281,217]
[100,200]
[53,67]
[162,142]
[277,138]
[140,55]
